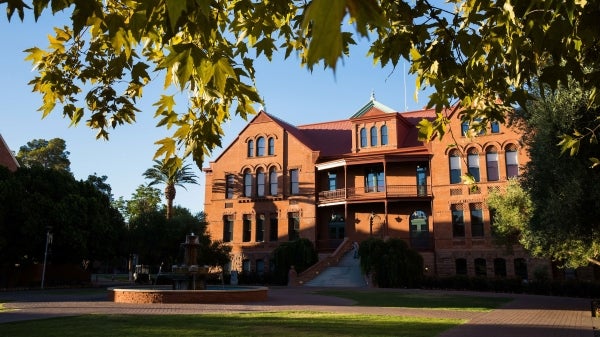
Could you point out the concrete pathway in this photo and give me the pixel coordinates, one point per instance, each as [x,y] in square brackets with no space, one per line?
[526,315]
[346,274]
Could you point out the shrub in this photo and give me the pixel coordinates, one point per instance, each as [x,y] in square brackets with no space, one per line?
[392,263]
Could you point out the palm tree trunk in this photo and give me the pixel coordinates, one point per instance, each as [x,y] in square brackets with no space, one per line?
[170,196]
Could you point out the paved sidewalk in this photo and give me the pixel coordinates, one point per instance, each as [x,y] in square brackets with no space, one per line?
[526,315]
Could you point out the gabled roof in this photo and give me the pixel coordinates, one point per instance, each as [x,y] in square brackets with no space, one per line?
[7,158]
[372,104]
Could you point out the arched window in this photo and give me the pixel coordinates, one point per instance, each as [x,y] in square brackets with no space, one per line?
[247,183]
[373,136]
[455,171]
[464,127]
[260,182]
[491,163]
[229,183]
[260,146]
[363,137]
[473,161]
[419,230]
[271,151]
[384,135]
[495,126]
[512,164]
[273,186]
[250,148]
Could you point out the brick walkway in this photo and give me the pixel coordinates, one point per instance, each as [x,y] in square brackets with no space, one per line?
[526,315]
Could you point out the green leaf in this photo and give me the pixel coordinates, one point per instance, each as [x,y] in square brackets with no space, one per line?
[324,17]
[175,8]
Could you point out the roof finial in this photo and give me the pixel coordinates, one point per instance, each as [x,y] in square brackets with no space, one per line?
[373,95]
[262,106]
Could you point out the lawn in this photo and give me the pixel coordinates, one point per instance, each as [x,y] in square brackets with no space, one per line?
[419,300]
[297,324]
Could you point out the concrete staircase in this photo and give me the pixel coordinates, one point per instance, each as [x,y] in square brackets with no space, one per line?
[345,274]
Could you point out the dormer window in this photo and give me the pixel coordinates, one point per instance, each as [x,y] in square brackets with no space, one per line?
[373,136]
[363,137]
[384,135]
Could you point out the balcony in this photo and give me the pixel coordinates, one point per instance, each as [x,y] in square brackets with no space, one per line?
[388,191]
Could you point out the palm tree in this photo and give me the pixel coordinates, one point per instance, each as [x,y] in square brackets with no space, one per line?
[161,173]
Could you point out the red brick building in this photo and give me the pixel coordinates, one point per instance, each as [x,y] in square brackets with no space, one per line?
[7,158]
[365,176]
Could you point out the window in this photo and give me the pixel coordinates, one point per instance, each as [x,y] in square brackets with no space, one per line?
[458,222]
[461,266]
[455,171]
[512,165]
[271,150]
[293,226]
[250,148]
[473,161]
[246,266]
[332,178]
[499,267]
[374,179]
[260,267]
[229,181]
[294,182]
[419,230]
[521,268]
[273,227]
[491,160]
[273,186]
[464,127]
[373,136]
[480,267]
[495,126]
[228,228]
[260,228]
[260,146]
[247,227]
[247,183]
[363,137]
[384,135]
[260,182]
[476,220]
[421,181]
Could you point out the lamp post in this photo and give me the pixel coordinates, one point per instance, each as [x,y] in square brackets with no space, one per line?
[48,242]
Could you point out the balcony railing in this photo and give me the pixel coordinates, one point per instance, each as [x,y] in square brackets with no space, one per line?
[394,191]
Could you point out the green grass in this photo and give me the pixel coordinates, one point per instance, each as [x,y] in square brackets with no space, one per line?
[422,301]
[297,324]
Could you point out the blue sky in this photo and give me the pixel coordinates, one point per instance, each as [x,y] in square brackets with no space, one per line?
[290,92]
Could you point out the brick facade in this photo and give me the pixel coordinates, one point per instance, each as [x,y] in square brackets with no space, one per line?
[365,176]
[7,157]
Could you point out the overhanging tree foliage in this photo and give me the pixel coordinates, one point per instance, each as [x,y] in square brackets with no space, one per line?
[478,55]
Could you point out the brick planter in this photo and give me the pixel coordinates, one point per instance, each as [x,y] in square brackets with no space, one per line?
[167,295]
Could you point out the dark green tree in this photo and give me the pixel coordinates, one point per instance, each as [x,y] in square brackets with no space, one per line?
[391,263]
[145,199]
[171,177]
[82,220]
[564,190]
[299,253]
[50,154]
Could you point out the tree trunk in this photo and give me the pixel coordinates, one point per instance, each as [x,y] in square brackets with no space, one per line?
[170,196]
